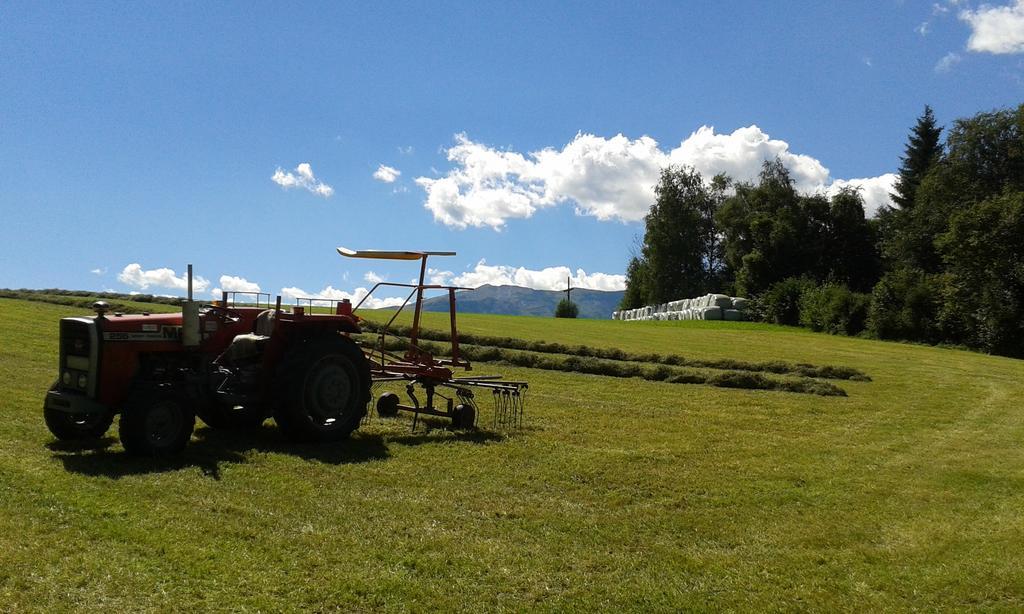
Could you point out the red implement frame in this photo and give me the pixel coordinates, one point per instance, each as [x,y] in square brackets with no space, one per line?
[419,367]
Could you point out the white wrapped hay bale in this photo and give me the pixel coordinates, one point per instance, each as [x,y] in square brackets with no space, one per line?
[719,300]
[710,313]
[732,315]
[740,304]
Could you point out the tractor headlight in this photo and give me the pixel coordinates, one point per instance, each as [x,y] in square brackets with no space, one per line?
[67,378]
[83,381]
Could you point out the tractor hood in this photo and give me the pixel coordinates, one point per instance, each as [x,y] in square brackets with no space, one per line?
[153,327]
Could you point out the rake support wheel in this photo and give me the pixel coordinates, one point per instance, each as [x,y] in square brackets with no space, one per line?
[464,416]
[387,405]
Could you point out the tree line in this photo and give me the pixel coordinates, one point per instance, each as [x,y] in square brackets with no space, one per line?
[943,264]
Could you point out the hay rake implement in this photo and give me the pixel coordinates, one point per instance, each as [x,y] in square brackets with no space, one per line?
[444,394]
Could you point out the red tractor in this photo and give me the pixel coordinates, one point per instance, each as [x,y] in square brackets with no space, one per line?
[234,366]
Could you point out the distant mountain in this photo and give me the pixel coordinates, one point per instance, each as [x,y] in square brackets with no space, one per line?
[518,301]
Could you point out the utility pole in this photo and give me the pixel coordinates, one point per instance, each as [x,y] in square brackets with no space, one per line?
[568,289]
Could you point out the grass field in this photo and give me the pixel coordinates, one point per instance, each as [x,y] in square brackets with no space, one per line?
[621,494]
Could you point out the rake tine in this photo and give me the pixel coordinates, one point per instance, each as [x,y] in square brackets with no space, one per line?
[497,407]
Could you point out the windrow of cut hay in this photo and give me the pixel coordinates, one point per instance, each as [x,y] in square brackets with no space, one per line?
[621,368]
[616,354]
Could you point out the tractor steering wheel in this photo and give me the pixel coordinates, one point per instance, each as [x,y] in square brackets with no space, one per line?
[225,312]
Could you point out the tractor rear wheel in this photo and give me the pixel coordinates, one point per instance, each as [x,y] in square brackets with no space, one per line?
[77,427]
[325,388]
[156,423]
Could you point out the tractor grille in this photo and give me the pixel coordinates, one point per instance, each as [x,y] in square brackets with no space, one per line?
[75,338]
[78,357]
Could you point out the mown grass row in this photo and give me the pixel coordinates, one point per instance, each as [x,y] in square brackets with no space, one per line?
[616,354]
[621,368]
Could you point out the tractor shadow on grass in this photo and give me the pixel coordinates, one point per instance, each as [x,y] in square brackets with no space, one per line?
[210,449]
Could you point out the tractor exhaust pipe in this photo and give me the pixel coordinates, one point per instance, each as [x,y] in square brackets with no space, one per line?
[190,335]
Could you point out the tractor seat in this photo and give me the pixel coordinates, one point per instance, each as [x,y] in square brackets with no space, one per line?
[265,323]
[243,348]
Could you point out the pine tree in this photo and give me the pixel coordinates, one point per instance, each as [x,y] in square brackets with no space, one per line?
[923,150]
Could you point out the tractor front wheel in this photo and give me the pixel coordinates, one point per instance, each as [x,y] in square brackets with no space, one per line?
[77,427]
[326,387]
[156,423]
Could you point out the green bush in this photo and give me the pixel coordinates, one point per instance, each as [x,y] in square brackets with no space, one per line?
[566,309]
[780,304]
[906,304]
[835,309]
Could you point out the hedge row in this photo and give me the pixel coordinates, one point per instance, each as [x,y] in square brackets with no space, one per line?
[49,294]
[78,301]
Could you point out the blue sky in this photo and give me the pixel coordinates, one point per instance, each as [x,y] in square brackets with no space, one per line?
[251,139]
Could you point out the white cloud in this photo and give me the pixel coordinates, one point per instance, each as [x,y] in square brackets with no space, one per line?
[302,178]
[387,174]
[923,29]
[947,62]
[372,278]
[331,293]
[99,271]
[134,275]
[874,190]
[608,178]
[550,278]
[406,151]
[996,29]
[741,154]
[230,283]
